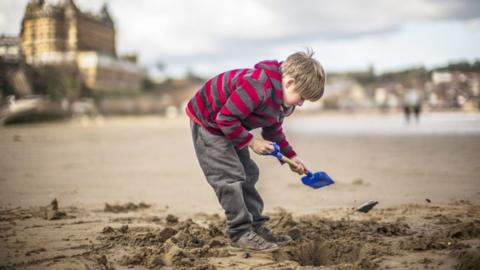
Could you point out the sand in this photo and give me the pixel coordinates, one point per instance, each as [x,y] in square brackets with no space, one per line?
[130,194]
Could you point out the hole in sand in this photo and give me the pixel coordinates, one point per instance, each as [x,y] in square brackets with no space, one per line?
[317,253]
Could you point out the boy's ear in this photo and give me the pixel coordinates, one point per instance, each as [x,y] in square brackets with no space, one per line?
[290,81]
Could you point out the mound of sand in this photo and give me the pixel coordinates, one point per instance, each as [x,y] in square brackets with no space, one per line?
[119,208]
[408,236]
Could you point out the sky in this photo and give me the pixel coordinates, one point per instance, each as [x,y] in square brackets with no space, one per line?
[210,36]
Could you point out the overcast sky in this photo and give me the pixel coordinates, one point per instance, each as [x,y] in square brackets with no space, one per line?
[208,36]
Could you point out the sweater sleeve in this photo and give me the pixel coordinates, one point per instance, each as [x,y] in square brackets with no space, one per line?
[243,100]
[275,134]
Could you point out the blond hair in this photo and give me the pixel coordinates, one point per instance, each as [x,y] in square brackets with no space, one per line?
[307,72]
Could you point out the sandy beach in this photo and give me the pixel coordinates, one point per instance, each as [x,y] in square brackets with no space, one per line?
[161,213]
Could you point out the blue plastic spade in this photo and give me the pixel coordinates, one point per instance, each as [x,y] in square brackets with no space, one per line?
[313,180]
[317,180]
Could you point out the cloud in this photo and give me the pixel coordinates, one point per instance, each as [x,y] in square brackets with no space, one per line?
[11,13]
[191,33]
[199,33]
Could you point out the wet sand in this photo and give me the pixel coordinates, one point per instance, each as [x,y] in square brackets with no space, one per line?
[86,164]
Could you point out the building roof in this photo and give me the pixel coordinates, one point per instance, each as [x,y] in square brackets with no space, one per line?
[39,8]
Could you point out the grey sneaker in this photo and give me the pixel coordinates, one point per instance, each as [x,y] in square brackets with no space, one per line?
[252,241]
[268,235]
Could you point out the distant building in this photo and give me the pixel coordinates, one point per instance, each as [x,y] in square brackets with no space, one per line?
[10,49]
[63,34]
[13,79]
[48,28]
[441,77]
[345,93]
[109,74]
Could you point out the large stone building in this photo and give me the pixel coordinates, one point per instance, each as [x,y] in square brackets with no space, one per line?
[63,34]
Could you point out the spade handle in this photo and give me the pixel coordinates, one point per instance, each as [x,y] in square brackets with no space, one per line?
[287,160]
[276,152]
[291,162]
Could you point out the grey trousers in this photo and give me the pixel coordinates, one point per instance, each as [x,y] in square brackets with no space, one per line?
[232,174]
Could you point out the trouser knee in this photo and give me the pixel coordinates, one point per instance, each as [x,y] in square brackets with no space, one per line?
[252,173]
[230,196]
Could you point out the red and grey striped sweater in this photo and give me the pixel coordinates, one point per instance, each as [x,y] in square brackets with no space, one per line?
[237,101]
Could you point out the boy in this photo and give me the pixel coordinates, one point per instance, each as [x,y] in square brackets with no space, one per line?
[223,112]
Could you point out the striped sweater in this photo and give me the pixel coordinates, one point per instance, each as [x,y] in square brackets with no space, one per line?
[237,101]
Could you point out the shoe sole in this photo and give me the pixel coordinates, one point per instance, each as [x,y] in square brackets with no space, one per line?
[284,243]
[234,248]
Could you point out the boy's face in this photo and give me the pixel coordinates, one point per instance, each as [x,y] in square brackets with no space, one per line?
[290,95]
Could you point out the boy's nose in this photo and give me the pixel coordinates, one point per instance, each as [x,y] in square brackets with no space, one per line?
[300,103]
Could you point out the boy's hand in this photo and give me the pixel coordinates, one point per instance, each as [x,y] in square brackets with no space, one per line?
[261,147]
[300,168]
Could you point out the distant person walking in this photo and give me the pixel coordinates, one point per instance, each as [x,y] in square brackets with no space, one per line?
[412,105]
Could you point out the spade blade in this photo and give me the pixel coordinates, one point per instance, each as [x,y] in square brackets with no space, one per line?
[317,180]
